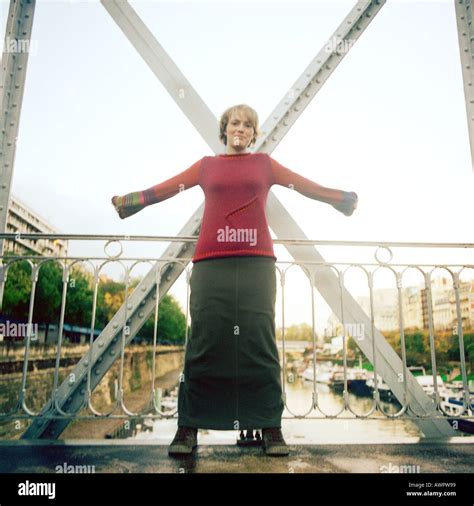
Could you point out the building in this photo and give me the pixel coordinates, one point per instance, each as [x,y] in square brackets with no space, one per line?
[466,305]
[440,296]
[416,308]
[442,312]
[385,303]
[412,308]
[23,220]
[443,299]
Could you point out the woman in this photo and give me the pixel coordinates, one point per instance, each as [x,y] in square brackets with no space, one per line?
[231,377]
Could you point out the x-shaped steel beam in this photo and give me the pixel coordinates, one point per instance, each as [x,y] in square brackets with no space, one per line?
[141,302]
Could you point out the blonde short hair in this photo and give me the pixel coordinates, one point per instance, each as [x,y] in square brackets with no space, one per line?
[251,115]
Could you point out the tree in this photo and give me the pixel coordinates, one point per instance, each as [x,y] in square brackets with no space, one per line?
[48,294]
[17,291]
[171,319]
[300,332]
[171,325]
[79,298]
[80,290]
[110,297]
[415,343]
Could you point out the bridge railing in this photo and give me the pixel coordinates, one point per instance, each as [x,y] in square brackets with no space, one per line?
[428,322]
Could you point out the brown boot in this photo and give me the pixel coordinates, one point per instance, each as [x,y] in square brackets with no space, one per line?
[273,442]
[185,440]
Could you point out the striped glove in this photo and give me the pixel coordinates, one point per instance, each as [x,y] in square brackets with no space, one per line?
[129,204]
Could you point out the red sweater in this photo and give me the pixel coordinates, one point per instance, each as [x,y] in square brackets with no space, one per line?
[235,189]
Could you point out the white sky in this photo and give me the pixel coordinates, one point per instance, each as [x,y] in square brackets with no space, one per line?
[390,123]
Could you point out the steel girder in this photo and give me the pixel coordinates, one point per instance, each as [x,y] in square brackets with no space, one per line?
[141,303]
[12,85]
[463,10]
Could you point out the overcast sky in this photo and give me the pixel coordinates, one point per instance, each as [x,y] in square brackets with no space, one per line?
[390,123]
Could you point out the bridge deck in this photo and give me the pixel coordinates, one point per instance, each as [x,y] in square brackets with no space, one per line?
[455,455]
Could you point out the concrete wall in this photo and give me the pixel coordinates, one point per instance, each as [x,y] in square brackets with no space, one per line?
[136,382]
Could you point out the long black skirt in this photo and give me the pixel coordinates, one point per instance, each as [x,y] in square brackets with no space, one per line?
[232,371]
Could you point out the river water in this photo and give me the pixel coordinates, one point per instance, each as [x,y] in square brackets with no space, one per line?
[315,429]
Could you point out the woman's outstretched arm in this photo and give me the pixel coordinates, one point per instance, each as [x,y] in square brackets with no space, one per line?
[343,201]
[131,203]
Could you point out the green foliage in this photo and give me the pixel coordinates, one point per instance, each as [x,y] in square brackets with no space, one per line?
[415,343]
[470,377]
[468,339]
[48,293]
[171,326]
[79,299]
[300,332]
[17,290]
[78,311]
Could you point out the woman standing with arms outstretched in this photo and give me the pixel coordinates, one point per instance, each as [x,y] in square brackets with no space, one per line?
[232,374]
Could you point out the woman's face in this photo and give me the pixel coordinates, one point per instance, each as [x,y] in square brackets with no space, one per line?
[239,131]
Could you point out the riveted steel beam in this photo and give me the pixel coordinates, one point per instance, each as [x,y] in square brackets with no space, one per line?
[16,49]
[463,10]
[316,74]
[161,64]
